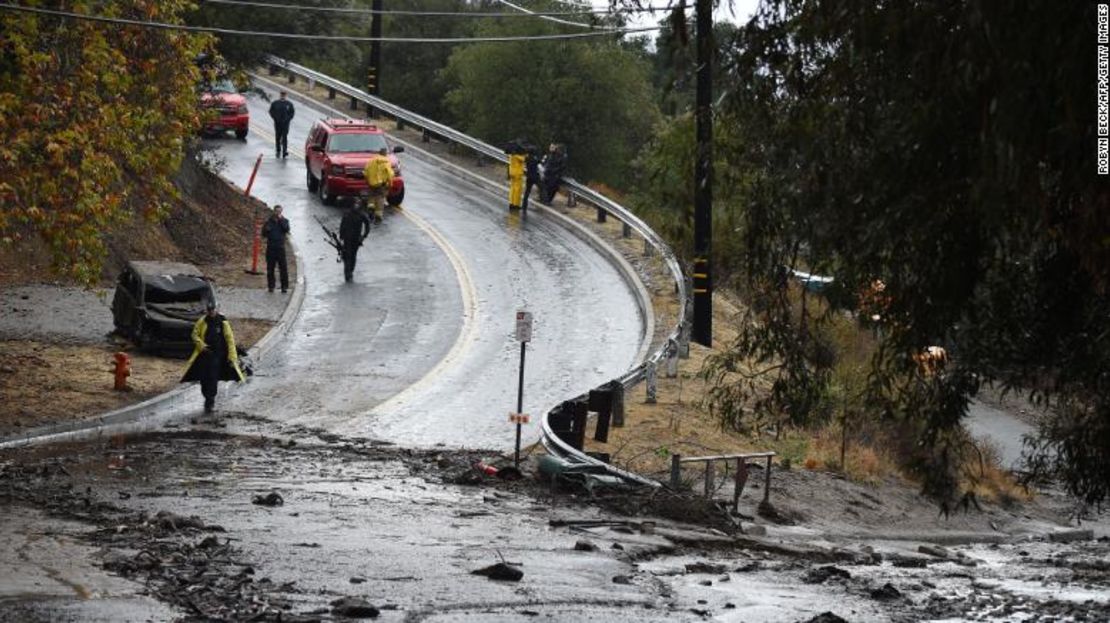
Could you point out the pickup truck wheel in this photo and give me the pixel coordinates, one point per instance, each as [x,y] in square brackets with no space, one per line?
[313,183]
[325,198]
[241,134]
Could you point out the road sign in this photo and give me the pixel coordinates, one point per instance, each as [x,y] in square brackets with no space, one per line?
[519,418]
[523,326]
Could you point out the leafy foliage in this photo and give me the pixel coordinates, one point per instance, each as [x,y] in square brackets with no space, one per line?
[86,110]
[594,96]
[948,150]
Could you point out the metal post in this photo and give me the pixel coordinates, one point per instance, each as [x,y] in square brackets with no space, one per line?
[649,382]
[292,78]
[354,103]
[601,214]
[703,177]
[709,478]
[331,93]
[767,482]
[676,470]
[274,70]
[519,404]
[626,230]
[572,200]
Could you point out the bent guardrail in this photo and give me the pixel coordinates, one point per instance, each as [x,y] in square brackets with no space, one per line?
[677,341]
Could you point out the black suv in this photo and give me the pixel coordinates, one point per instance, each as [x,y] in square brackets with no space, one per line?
[157,303]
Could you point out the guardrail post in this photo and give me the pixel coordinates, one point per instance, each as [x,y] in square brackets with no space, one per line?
[561,422]
[292,78]
[601,403]
[572,201]
[616,390]
[581,415]
[425,136]
[331,93]
[601,214]
[684,341]
[649,382]
[400,123]
[274,70]
[626,230]
[354,103]
[709,477]
[767,482]
[311,84]
[649,250]
[676,471]
[671,368]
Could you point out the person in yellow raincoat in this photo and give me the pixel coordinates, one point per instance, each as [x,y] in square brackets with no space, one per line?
[516,180]
[215,357]
[379,176]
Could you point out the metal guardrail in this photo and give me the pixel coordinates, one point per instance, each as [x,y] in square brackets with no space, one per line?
[675,344]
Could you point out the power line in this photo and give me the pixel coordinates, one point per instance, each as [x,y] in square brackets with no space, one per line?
[526,13]
[468,14]
[289,35]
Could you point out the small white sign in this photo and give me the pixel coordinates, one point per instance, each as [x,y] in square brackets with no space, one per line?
[523,326]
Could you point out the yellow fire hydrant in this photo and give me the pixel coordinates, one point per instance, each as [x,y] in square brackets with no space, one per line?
[121,369]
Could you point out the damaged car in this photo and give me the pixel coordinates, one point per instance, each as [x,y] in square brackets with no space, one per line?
[156,304]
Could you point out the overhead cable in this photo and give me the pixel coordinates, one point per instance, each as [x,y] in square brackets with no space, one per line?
[466,14]
[527,12]
[290,35]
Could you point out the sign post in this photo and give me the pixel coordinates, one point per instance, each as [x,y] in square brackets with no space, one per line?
[523,335]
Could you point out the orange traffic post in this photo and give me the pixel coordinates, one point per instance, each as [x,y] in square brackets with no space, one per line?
[257,245]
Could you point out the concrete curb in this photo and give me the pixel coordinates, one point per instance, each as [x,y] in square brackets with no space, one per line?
[107,423]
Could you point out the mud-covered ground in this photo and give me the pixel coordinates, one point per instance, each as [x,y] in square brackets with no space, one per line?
[199,524]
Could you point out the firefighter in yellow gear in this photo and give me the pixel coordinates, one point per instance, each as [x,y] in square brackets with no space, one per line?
[516,180]
[379,176]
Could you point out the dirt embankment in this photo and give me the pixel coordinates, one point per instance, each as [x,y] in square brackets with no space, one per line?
[46,381]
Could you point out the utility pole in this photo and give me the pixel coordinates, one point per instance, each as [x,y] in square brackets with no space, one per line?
[702,330]
[374,74]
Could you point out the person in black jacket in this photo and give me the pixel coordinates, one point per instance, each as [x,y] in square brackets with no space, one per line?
[215,356]
[353,229]
[554,166]
[274,230]
[281,111]
[531,173]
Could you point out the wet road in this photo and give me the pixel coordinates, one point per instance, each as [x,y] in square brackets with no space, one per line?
[419,349]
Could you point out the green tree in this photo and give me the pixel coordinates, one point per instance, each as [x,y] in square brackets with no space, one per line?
[593,95]
[87,112]
[947,149]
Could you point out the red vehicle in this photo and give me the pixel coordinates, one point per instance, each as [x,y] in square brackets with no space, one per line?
[228,109]
[336,154]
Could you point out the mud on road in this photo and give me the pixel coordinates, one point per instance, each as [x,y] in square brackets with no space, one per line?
[200,524]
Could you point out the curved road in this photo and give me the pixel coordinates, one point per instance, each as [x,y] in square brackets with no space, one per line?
[419,348]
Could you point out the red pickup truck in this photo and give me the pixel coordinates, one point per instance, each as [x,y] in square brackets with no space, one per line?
[225,109]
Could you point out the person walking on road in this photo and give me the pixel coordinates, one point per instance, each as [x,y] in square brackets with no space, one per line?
[379,176]
[554,165]
[353,230]
[274,230]
[531,174]
[281,111]
[214,357]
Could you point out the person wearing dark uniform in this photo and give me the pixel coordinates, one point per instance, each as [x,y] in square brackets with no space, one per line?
[214,357]
[531,174]
[554,165]
[353,229]
[274,230]
[281,111]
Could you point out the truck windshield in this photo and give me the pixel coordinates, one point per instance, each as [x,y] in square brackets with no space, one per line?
[356,143]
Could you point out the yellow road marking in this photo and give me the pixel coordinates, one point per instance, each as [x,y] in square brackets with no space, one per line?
[466,289]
